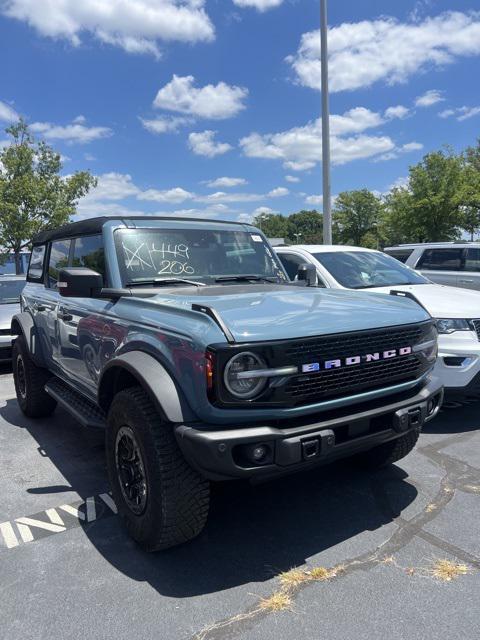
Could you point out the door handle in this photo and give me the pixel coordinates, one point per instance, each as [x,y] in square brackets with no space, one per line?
[66,317]
[465,281]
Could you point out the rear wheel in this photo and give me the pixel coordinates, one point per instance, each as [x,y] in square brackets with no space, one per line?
[30,383]
[389,452]
[161,499]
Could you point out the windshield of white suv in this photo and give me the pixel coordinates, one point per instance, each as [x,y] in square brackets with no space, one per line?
[364,270]
[155,255]
[10,291]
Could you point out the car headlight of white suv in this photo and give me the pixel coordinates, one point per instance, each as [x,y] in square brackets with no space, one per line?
[450,325]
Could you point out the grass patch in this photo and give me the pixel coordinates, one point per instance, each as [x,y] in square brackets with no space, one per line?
[278,601]
[446,570]
[294,578]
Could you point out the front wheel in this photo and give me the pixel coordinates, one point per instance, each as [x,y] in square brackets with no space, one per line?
[161,499]
[30,383]
[389,452]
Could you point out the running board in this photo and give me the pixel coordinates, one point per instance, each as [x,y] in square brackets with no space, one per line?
[79,407]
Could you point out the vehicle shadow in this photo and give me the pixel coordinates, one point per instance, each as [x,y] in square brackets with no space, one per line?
[458,415]
[253,532]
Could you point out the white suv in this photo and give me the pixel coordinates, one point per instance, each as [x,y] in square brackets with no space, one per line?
[452,263]
[457,310]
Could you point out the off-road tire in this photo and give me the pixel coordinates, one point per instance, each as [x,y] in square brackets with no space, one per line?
[386,454]
[30,383]
[177,497]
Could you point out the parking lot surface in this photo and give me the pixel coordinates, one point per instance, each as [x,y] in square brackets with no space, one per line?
[367,545]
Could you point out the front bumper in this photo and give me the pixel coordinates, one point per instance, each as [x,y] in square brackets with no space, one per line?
[458,362]
[224,454]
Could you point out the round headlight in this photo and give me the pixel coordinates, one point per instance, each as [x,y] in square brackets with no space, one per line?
[236,377]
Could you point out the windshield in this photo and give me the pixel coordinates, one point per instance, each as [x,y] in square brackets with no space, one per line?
[10,291]
[146,255]
[363,270]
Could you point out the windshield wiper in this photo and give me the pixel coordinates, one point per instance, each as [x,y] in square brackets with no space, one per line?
[164,281]
[246,278]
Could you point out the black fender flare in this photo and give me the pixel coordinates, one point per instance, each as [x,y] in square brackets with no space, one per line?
[152,376]
[23,324]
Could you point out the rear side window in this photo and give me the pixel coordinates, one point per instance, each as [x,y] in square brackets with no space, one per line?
[89,252]
[37,259]
[59,253]
[401,256]
[472,261]
[441,260]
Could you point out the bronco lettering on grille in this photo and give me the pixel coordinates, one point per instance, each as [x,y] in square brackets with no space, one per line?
[312,367]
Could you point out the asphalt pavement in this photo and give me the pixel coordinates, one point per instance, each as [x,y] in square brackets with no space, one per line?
[368,546]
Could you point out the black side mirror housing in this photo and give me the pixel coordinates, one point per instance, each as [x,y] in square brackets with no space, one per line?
[307,273]
[79,282]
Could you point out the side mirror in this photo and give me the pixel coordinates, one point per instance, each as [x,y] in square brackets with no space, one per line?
[79,282]
[307,273]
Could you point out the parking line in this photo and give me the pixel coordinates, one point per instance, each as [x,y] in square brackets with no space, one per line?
[8,534]
[73,511]
[109,502]
[91,510]
[54,517]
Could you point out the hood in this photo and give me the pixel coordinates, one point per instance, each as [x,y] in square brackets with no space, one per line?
[270,312]
[7,311]
[442,301]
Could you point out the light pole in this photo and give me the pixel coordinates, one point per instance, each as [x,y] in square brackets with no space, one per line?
[327,197]
[297,236]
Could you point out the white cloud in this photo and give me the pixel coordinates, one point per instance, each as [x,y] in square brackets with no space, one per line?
[461,113]
[446,113]
[222,197]
[225,183]
[399,112]
[279,192]
[136,26]
[203,144]
[172,196]
[113,186]
[386,49]
[314,200]
[429,98]
[260,5]
[76,132]
[399,183]
[300,147]
[394,153]
[292,179]
[7,114]
[216,102]
[264,210]
[165,124]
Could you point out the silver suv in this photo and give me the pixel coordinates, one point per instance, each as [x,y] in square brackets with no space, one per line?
[454,263]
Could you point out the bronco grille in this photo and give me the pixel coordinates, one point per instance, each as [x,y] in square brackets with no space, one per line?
[357,378]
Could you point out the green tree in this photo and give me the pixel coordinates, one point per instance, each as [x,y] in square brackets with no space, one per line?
[273,225]
[33,195]
[305,227]
[356,217]
[469,191]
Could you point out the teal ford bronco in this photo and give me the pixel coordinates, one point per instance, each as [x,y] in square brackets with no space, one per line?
[185,341]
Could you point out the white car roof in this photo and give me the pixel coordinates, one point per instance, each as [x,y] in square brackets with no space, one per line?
[324,248]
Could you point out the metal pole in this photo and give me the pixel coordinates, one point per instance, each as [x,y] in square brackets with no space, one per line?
[327,198]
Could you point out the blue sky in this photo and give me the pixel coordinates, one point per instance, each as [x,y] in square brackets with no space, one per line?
[209,107]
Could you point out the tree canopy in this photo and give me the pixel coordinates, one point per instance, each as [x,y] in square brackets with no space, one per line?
[33,194]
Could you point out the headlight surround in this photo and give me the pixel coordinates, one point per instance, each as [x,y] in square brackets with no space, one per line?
[244,388]
[450,325]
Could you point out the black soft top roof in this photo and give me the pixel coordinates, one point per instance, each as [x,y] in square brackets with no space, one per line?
[94,225]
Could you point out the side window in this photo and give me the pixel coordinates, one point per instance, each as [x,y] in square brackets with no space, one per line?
[35,268]
[59,253]
[441,260]
[291,262]
[401,256]
[89,252]
[472,262]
